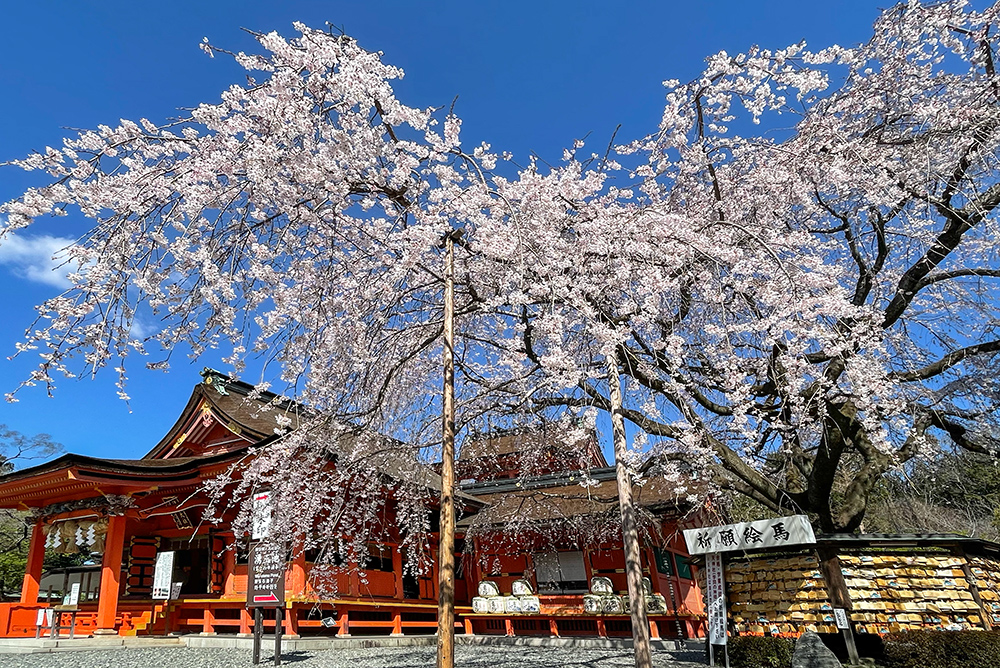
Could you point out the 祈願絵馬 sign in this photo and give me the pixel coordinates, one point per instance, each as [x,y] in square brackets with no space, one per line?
[776,532]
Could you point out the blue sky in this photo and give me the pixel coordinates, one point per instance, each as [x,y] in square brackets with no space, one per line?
[529,76]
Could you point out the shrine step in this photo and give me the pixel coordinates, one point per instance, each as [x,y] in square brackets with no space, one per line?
[45,645]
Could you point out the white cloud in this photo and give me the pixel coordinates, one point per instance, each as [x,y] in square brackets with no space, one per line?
[141,328]
[37,258]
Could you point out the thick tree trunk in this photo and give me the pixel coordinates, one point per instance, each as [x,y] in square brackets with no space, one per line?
[630,530]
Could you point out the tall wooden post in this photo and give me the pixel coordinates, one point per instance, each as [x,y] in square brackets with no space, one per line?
[984,611]
[33,567]
[446,536]
[630,530]
[836,586]
[111,570]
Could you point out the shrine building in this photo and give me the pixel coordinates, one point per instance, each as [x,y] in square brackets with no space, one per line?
[122,513]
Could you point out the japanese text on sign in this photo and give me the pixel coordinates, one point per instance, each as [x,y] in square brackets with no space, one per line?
[716,596]
[267,576]
[162,575]
[261,515]
[777,532]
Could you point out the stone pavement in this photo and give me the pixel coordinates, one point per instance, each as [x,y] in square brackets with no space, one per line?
[172,653]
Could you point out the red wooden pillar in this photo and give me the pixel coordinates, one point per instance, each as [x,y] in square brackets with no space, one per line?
[477,573]
[297,575]
[290,622]
[245,622]
[208,621]
[353,581]
[397,572]
[588,566]
[397,625]
[345,625]
[33,570]
[649,570]
[111,570]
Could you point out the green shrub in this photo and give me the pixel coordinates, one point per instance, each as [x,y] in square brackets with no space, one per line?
[942,649]
[759,652]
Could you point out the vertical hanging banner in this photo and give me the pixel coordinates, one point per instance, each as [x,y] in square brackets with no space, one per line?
[163,573]
[261,515]
[716,597]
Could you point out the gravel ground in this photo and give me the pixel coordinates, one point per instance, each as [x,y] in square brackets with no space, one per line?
[389,657]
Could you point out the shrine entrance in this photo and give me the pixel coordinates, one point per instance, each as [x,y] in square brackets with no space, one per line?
[192,565]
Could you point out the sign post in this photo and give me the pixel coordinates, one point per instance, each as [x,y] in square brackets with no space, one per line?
[258,631]
[713,541]
[266,589]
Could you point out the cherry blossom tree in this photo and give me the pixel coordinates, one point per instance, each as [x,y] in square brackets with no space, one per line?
[792,274]
[809,307]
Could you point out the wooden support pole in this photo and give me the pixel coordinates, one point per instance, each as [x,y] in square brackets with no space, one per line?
[397,572]
[836,586]
[258,631]
[208,622]
[446,535]
[278,624]
[245,622]
[297,579]
[630,529]
[984,611]
[33,569]
[111,570]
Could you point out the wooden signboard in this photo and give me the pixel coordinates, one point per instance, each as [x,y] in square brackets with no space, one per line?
[266,586]
[266,589]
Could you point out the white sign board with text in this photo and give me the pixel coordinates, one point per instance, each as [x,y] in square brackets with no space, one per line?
[74,594]
[777,532]
[715,595]
[162,574]
[261,517]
